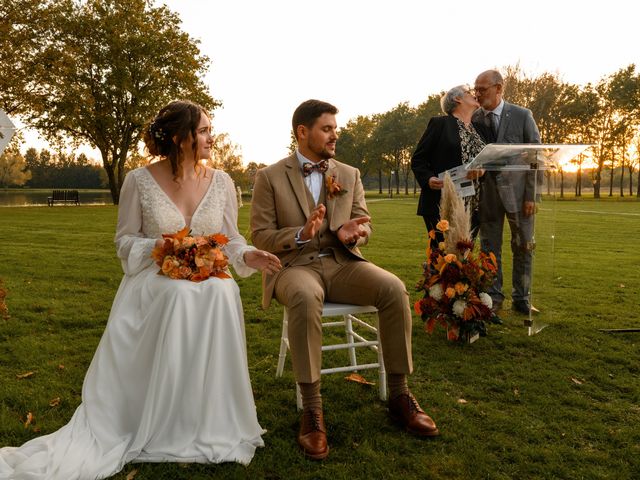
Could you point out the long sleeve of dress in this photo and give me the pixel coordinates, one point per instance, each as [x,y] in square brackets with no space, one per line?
[133,249]
[237,245]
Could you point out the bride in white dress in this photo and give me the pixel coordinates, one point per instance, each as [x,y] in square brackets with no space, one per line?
[169,381]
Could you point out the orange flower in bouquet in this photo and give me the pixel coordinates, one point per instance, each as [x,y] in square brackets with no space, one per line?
[182,256]
[455,279]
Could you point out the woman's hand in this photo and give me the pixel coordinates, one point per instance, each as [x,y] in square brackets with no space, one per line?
[263,261]
[435,183]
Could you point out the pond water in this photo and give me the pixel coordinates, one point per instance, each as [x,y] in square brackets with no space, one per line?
[28,198]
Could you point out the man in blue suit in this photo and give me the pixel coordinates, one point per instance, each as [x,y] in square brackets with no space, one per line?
[507,194]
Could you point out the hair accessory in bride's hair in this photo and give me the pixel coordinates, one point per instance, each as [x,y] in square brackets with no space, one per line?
[157,132]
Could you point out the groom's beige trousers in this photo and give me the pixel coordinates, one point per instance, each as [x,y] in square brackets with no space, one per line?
[303,289]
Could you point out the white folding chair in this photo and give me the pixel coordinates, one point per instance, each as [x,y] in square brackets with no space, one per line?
[354,340]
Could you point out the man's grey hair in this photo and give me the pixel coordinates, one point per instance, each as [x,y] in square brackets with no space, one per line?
[447,101]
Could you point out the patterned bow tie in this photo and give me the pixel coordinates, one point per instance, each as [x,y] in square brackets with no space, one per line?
[308,167]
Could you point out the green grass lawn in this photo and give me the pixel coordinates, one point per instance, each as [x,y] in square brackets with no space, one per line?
[564,403]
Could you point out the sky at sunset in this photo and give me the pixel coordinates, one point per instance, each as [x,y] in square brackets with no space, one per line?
[365,57]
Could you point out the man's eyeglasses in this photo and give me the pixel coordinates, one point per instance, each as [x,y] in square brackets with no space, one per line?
[481,90]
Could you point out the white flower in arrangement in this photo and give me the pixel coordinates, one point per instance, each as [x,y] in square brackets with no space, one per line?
[486,299]
[436,292]
[458,307]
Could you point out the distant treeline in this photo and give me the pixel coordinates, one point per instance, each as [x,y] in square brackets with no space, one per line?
[605,114]
[49,170]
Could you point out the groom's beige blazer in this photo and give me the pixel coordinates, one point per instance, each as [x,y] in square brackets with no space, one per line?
[281,204]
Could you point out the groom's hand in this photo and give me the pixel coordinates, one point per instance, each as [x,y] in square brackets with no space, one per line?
[314,222]
[350,232]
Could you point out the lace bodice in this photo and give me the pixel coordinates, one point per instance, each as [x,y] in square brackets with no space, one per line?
[146,212]
[160,215]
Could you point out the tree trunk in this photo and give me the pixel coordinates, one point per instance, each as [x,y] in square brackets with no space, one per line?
[406,184]
[380,180]
[596,181]
[622,175]
[579,181]
[611,179]
[630,167]
[561,183]
[111,174]
[638,183]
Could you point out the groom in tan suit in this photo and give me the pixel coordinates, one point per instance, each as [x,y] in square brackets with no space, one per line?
[310,211]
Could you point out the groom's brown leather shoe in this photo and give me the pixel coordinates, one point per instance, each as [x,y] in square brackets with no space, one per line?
[405,410]
[313,435]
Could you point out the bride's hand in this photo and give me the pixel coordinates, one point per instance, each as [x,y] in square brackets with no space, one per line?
[263,261]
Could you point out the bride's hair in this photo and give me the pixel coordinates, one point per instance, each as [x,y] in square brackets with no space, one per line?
[171,126]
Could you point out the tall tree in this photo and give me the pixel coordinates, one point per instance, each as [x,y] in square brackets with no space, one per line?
[227,157]
[395,139]
[619,108]
[354,145]
[25,27]
[110,66]
[251,171]
[13,168]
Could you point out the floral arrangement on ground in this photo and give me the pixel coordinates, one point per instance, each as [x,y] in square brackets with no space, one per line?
[193,258]
[455,278]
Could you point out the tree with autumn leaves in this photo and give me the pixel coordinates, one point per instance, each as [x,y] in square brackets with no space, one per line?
[94,72]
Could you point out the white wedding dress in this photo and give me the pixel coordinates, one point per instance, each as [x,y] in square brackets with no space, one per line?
[169,381]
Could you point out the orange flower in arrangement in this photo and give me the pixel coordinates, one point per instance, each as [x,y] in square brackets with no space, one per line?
[456,278]
[442,225]
[184,257]
[454,286]
[333,187]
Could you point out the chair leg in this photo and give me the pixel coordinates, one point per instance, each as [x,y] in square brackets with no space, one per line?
[348,326]
[382,373]
[284,344]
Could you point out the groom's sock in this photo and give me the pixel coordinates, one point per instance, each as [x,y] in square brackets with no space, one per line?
[311,398]
[397,383]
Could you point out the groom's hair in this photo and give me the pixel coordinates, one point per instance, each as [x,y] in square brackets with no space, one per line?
[307,113]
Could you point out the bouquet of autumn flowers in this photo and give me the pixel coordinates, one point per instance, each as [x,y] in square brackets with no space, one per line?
[182,256]
[455,279]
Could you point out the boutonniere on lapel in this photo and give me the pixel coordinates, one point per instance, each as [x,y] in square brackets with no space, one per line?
[333,187]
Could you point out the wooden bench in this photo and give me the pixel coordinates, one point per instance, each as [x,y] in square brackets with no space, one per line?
[63,196]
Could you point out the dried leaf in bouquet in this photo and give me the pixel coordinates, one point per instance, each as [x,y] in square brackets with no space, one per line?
[453,209]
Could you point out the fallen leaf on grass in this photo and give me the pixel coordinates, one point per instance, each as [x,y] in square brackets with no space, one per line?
[54,402]
[30,419]
[516,392]
[622,285]
[462,401]
[354,377]
[25,375]
[132,474]
[61,367]
[576,381]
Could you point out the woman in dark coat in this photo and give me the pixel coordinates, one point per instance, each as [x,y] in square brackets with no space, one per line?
[449,141]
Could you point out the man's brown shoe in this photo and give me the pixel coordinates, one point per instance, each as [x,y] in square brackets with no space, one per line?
[313,435]
[405,410]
